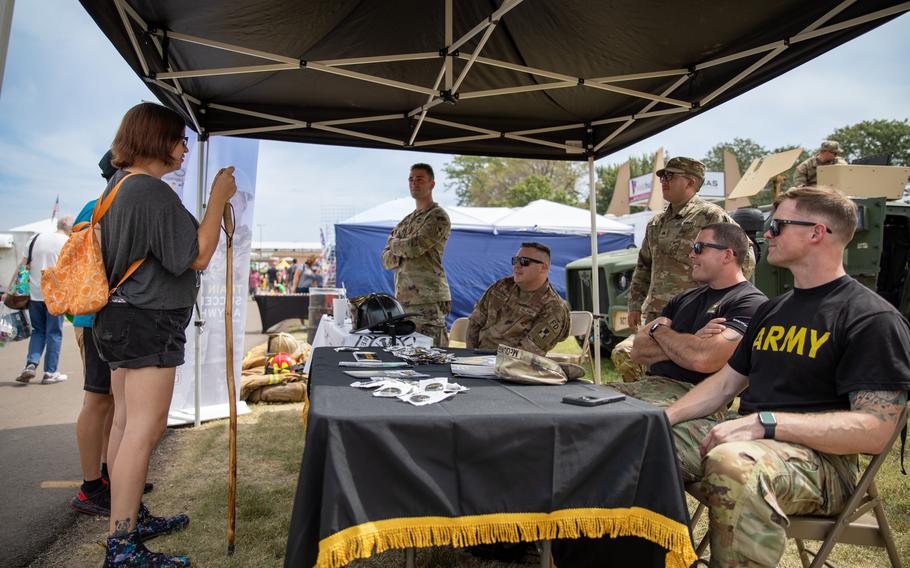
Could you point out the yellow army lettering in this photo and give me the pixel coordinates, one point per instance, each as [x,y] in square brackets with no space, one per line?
[792,340]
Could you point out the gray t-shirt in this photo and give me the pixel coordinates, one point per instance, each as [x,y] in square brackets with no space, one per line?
[148,220]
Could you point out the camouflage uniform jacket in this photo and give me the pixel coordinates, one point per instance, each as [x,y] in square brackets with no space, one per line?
[807,172]
[664,269]
[415,249]
[501,316]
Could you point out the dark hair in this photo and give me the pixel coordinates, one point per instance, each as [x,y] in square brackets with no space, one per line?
[732,236]
[427,168]
[539,246]
[148,131]
[837,211]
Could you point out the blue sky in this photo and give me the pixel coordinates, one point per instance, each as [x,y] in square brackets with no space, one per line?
[66,88]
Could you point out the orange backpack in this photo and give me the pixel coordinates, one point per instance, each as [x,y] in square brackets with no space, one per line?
[77,284]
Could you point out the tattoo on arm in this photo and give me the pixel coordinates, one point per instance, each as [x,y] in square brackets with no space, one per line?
[884,405]
[122,527]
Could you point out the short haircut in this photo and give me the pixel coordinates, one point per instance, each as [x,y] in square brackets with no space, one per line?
[731,236]
[65,224]
[836,210]
[539,246]
[148,131]
[427,168]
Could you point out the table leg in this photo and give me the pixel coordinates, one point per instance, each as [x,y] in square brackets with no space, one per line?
[546,551]
[409,557]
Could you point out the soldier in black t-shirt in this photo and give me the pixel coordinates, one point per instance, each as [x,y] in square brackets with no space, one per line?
[698,329]
[827,367]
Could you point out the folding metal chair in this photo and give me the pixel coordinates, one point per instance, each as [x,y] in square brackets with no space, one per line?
[459,330]
[862,522]
[580,325]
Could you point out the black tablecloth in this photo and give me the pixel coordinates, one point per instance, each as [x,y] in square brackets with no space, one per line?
[498,463]
[275,309]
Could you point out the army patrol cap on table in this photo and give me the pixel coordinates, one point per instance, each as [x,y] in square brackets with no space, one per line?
[683,165]
[830,146]
[520,366]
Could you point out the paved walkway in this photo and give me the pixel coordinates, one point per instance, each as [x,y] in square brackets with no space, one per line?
[39,461]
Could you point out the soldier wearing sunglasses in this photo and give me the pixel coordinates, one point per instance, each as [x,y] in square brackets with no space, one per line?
[824,372]
[664,268]
[699,329]
[522,310]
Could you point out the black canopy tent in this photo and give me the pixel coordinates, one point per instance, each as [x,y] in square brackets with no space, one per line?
[568,80]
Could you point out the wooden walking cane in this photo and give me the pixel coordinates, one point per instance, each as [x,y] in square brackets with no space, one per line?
[228,218]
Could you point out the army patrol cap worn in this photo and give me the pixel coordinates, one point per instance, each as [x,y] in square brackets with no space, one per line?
[830,146]
[683,165]
[519,366]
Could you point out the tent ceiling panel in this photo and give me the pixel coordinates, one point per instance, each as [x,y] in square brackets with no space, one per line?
[520,78]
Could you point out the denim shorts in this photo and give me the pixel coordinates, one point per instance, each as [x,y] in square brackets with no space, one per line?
[134,338]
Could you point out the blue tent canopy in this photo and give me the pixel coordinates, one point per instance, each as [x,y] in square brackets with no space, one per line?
[473,260]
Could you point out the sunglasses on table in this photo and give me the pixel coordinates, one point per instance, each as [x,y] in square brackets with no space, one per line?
[699,246]
[525,261]
[776,225]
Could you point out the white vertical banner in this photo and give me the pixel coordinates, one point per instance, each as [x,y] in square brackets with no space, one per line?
[243,154]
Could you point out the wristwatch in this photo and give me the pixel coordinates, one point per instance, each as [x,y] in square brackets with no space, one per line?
[654,328]
[769,422]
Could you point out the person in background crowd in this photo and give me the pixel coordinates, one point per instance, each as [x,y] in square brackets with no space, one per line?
[141,332]
[414,250]
[47,330]
[272,275]
[254,281]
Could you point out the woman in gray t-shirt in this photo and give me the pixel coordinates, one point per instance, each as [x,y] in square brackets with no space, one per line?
[141,332]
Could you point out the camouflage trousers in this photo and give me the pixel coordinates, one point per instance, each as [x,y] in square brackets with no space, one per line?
[621,356]
[751,486]
[431,320]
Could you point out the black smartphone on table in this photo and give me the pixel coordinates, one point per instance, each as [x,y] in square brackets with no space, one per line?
[589,400]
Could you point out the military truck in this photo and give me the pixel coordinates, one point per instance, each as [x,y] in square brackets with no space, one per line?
[877,256]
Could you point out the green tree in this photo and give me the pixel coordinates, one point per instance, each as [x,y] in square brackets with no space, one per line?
[606,177]
[874,137]
[745,150]
[511,182]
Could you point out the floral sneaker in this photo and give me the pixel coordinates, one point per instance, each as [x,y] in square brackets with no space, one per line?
[128,551]
[149,526]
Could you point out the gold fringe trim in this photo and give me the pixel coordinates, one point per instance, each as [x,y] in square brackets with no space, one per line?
[364,540]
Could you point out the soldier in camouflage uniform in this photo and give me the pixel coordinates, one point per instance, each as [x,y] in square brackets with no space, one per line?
[522,310]
[414,250]
[826,368]
[664,269]
[828,154]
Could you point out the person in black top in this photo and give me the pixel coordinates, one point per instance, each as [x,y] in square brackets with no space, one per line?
[827,366]
[141,331]
[698,329]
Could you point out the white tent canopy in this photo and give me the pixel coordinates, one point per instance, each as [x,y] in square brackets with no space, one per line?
[43,226]
[540,215]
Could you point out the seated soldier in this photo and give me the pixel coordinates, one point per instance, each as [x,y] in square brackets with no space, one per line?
[827,366]
[522,310]
[699,329]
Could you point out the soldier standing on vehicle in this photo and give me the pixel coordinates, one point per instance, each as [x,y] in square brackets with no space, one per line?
[664,268]
[828,155]
[522,310]
[414,250]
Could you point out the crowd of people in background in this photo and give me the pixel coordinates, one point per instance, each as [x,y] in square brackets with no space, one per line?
[286,276]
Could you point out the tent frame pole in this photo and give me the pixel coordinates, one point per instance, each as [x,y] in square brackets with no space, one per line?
[595,268]
[202,147]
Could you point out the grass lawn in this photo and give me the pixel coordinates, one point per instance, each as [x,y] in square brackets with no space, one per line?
[189,471]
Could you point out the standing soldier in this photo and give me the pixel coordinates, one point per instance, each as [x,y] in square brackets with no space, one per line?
[828,155]
[664,268]
[414,250]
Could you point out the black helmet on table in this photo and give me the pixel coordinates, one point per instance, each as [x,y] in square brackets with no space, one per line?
[380,313]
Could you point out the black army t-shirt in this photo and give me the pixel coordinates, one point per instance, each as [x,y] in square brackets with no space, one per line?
[148,220]
[806,350]
[693,309]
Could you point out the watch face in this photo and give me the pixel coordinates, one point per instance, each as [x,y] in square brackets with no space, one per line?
[767,418]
